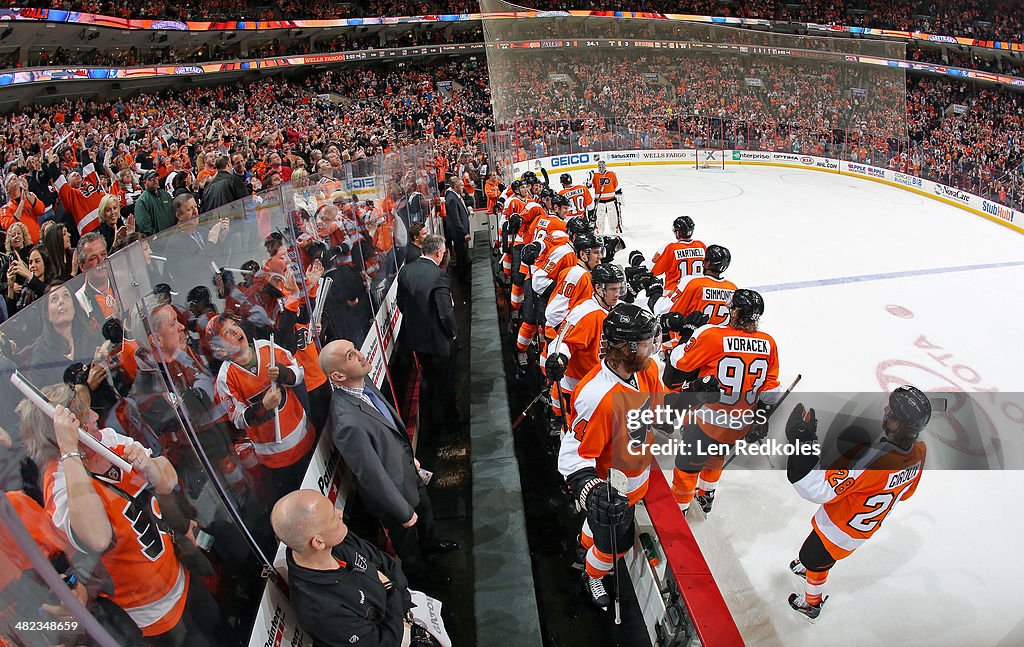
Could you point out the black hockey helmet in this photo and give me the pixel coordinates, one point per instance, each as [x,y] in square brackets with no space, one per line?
[605,273]
[749,302]
[911,407]
[547,192]
[683,226]
[578,225]
[565,179]
[198,294]
[627,322]
[560,201]
[717,258]
[529,177]
[586,240]
[517,184]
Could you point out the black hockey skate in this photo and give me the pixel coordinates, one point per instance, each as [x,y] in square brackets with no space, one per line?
[580,562]
[798,568]
[811,611]
[595,588]
[705,501]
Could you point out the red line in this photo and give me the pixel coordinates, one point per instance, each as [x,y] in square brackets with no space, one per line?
[704,602]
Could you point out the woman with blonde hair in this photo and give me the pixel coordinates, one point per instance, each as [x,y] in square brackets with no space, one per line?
[115,515]
[307,196]
[112,224]
[18,241]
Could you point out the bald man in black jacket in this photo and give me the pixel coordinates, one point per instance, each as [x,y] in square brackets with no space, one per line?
[345,591]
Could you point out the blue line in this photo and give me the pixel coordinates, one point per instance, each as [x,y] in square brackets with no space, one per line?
[817,283]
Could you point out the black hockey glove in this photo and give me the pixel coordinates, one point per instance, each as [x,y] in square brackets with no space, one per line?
[555,366]
[671,322]
[759,428]
[531,252]
[708,388]
[802,426]
[515,221]
[655,290]
[691,323]
[601,508]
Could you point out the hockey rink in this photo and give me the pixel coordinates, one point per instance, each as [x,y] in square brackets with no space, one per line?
[866,287]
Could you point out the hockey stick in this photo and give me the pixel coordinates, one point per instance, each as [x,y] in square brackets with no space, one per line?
[277,411]
[767,416]
[39,399]
[616,480]
[547,385]
[318,310]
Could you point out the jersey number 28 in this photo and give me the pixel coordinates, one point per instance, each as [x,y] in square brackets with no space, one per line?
[881,505]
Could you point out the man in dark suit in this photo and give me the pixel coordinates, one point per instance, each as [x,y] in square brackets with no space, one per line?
[425,299]
[374,443]
[456,227]
[417,232]
[224,188]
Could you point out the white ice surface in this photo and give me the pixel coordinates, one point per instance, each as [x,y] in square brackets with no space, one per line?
[945,569]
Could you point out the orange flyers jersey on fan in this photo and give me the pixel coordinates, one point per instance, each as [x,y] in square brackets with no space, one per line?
[242,389]
[149,582]
[605,185]
[598,436]
[706,294]
[678,259]
[747,366]
[580,199]
[855,501]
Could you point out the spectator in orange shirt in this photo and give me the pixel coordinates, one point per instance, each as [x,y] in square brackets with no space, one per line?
[23,206]
[491,191]
[208,171]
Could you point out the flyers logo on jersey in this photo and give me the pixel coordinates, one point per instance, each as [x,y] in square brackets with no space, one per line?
[903,477]
[146,532]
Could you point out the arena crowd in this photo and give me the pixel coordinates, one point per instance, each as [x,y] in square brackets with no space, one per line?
[253,178]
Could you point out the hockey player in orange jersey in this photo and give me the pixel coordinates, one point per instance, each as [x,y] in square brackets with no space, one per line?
[681,258]
[625,381]
[708,293]
[608,195]
[572,279]
[856,492]
[738,366]
[581,201]
[538,285]
[579,351]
